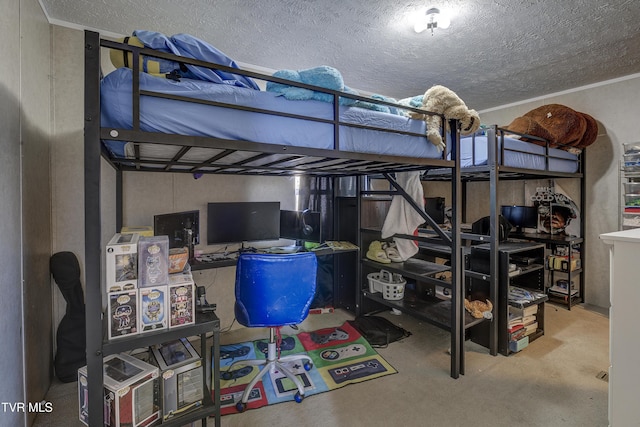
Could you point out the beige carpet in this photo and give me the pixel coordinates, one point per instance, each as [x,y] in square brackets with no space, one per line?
[553,382]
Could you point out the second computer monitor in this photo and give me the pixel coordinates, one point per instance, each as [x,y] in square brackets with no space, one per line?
[521,217]
[300,225]
[236,222]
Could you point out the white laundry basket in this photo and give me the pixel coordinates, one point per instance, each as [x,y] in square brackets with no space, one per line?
[391,285]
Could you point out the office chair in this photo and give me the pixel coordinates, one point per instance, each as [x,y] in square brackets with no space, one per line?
[273,290]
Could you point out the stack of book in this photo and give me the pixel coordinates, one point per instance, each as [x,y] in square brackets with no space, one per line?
[522,322]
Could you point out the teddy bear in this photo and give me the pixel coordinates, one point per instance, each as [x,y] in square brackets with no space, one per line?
[442,100]
[479,309]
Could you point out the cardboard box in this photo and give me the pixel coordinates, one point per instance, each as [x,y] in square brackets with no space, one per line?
[153,261]
[123,313]
[153,308]
[182,310]
[122,262]
[178,258]
[131,395]
[142,230]
[181,377]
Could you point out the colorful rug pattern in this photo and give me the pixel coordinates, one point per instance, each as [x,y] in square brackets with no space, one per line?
[341,356]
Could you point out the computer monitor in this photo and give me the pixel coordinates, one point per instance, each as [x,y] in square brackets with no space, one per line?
[434,207]
[521,217]
[300,225]
[178,226]
[235,222]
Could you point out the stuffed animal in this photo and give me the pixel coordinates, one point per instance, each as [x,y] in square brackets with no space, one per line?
[442,100]
[479,309]
[322,76]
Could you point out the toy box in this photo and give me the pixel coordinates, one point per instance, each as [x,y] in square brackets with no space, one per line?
[153,261]
[153,308]
[181,300]
[123,313]
[122,262]
[142,230]
[131,392]
[178,258]
[181,377]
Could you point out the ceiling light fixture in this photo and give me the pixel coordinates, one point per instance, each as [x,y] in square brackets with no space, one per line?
[432,19]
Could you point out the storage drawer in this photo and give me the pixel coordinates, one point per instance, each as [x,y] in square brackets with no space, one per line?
[632,162]
[632,188]
[632,148]
[631,219]
[632,200]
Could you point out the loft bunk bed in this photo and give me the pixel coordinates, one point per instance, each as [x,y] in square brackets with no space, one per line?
[140,122]
[496,154]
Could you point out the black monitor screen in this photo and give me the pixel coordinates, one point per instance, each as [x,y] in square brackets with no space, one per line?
[521,216]
[234,222]
[177,226]
[300,225]
[434,207]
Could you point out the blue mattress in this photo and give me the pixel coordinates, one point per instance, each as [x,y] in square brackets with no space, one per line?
[186,118]
[517,154]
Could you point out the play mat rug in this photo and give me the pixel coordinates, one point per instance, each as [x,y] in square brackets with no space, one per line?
[341,356]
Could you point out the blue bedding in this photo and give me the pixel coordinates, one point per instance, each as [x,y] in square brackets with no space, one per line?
[186,118]
[528,155]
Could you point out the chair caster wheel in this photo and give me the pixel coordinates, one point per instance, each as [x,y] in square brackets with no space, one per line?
[308,366]
[299,397]
[240,407]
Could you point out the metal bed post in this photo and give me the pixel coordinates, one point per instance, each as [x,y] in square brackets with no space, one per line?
[494,238]
[457,275]
[92,226]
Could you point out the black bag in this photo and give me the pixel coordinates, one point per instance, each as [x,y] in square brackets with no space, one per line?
[71,333]
[378,331]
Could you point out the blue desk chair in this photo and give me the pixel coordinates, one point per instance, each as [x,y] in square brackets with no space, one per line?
[273,291]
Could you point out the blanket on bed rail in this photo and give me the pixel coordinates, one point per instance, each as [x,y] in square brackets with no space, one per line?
[182,45]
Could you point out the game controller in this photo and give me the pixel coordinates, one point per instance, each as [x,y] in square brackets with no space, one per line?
[231,352]
[345,352]
[336,335]
[236,373]
[235,397]
[288,343]
[356,370]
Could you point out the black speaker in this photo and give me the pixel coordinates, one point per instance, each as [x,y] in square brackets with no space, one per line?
[306,228]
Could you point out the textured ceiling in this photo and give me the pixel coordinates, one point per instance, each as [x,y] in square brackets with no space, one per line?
[495,52]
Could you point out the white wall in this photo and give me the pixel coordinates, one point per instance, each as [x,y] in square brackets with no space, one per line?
[25,247]
[615,105]
[11,363]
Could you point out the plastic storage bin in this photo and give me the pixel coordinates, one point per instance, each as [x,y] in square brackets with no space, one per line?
[632,148]
[632,200]
[632,188]
[391,285]
[632,162]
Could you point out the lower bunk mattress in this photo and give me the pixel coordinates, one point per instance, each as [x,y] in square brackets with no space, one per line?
[517,154]
[196,119]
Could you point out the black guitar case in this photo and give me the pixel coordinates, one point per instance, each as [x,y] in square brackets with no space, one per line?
[70,337]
